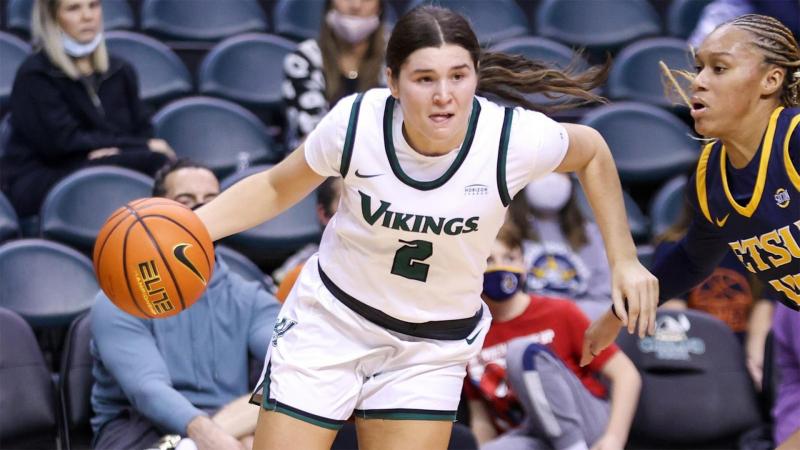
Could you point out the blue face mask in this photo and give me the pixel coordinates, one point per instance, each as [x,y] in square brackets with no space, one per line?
[500,284]
[77,49]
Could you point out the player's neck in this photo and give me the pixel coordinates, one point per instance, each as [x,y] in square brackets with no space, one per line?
[509,309]
[743,143]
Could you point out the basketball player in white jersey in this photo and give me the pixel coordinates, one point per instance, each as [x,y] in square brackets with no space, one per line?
[382,322]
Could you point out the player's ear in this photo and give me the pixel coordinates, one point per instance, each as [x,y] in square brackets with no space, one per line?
[392,83]
[772,80]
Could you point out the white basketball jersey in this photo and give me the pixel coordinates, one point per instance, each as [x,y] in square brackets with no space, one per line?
[416,250]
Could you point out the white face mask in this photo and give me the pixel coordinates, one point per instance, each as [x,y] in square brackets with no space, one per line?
[77,49]
[549,193]
[351,29]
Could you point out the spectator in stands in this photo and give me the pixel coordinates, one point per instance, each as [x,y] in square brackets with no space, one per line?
[346,58]
[328,194]
[720,11]
[786,412]
[533,347]
[186,374]
[564,252]
[730,293]
[72,105]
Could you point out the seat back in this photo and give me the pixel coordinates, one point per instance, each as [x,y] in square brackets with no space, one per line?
[240,264]
[695,386]
[201,20]
[77,206]
[161,74]
[215,132]
[27,399]
[75,380]
[13,51]
[117,15]
[9,222]
[648,143]
[637,220]
[636,74]
[683,15]
[45,282]
[247,69]
[596,25]
[667,204]
[271,242]
[504,19]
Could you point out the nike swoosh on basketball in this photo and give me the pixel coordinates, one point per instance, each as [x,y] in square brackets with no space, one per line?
[180,254]
[361,175]
[474,336]
[721,223]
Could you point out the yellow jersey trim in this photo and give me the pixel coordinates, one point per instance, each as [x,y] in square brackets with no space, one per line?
[787,161]
[700,180]
[761,178]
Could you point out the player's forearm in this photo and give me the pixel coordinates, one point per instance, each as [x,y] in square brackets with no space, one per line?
[238,418]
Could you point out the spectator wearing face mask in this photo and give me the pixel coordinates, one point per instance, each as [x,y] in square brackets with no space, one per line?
[346,58]
[564,252]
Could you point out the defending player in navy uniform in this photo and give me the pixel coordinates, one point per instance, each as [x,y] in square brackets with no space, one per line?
[381,323]
[746,189]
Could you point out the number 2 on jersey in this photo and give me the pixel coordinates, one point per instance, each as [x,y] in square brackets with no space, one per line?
[407,260]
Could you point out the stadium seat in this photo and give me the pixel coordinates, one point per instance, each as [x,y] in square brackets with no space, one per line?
[648,143]
[215,132]
[639,223]
[504,19]
[241,265]
[5,133]
[78,205]
[683,15]
[271,242]
[645,254]
[117,15]
[247,69]
[45,282]
[695,387]
[597,25]
[201,20]
[13,51]
[27,398]
[162,76]
[301,19]
[636,74]
[9,222]
[75,384]
[667,204]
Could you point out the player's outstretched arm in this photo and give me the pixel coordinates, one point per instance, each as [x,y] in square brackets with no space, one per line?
[260,197]
[589,156]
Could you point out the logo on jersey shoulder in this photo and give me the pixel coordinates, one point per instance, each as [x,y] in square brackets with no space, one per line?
[361,175]
[476,189]
[721,222]
[414,222]
[782,197]
[280,328]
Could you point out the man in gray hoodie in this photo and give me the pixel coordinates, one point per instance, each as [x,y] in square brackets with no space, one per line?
[186,374]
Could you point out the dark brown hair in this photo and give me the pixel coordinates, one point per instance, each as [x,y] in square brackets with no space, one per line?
[508,77]
[369,71]
[571,221]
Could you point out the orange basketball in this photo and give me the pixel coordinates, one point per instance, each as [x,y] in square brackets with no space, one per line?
[153,257]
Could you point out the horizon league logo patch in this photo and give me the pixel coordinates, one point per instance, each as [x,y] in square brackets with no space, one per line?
[671,341]
[280,328]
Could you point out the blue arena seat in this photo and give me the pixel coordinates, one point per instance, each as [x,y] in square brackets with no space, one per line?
[215,132]
[682,16]
[638,221]
[75,384]
[27,400]
[504,19]
[596,25]
[13,51]
[247,69]
[301,19]
[272,241]
[9,222]
[117,15]
[47,283]
[636,74]
[667,204]
[696,390]
[161,73]
[201,20]
[648,143]
[242,265]
[77,207]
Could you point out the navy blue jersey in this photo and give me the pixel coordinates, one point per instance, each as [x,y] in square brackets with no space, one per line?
[753,212]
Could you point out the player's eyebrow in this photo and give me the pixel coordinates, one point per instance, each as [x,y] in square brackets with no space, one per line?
[458,67]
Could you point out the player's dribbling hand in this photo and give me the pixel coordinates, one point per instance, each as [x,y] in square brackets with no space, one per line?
[636,285]
[608,442]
